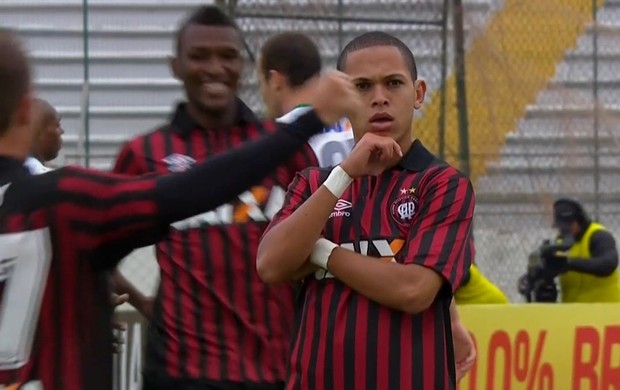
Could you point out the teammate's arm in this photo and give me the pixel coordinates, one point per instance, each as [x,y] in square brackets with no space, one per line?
[126,213]
[439,249]
[604,256]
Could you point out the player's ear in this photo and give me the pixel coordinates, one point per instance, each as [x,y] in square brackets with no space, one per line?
[420,92]
[276,79]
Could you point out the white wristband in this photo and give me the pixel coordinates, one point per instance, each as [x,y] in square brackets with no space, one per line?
[321,252]
[337,181]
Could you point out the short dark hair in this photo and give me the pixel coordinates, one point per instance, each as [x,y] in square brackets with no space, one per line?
[294,55]
[14,77]
[378,38]
[207,15]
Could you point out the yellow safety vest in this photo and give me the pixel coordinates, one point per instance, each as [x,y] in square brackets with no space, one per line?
[582,287]
[479,290]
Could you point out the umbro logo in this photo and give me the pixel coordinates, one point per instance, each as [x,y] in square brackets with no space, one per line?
[340,209]
[179,162]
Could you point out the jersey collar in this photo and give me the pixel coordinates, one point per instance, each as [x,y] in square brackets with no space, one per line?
[183,123]
[418,158]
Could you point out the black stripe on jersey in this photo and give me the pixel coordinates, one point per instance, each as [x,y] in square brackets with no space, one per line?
[331,312]
[301,339]
[418,358]
[249,261]
[372,344]
[394,360]
[349,344]
[316,331]
[440,339]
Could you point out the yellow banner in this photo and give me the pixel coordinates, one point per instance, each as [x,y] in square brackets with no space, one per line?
[544,347]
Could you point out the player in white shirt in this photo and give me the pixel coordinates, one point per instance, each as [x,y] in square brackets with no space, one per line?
[288,70]
[48,137]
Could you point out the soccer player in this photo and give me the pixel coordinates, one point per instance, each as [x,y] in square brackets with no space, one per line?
[62,231]
[213,322]
[48,137]
[383,251]
[288,69]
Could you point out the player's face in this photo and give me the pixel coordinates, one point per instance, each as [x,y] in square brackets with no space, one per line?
[268,93]
[384,81]
[51,136]
[209,64]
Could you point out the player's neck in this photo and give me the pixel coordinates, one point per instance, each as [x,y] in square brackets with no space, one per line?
[405,144]
[209,120]
[299,97]
[13,146]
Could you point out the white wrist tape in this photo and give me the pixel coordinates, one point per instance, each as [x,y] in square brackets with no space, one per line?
[337,181]
[321,252]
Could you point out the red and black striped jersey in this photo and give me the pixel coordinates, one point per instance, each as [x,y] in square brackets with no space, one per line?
[417,213]
[58,232]
[214,320]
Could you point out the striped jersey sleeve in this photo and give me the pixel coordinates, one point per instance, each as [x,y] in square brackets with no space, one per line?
[109,214]
[441,235]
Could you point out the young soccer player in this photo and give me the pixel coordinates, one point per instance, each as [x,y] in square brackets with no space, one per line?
[382,251]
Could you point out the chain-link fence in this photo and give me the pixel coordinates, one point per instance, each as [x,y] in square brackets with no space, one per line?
[535,106]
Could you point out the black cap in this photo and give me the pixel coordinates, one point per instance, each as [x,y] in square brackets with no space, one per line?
[565,212]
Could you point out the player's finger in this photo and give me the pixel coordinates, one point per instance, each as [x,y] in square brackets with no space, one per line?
[119,299]
[397,150]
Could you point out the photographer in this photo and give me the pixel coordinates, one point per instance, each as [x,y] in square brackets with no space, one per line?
[584,257]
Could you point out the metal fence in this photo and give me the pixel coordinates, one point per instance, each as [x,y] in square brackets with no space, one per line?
[530,112]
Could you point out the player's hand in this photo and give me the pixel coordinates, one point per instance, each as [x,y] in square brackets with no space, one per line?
[335,97]
[372,155]
[118,327]
[464,349]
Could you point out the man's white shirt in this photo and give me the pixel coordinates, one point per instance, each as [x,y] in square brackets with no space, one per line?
[332,145]
[35,166]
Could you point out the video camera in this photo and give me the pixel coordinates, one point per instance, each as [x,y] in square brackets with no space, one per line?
[538,284]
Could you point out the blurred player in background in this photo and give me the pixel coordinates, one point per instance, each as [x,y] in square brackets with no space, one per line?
[61,232]
[369,323]
[288,70]
[214,323]
[47,136]
[477,289]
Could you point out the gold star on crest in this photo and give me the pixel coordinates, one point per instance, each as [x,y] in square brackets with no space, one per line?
[412,190]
